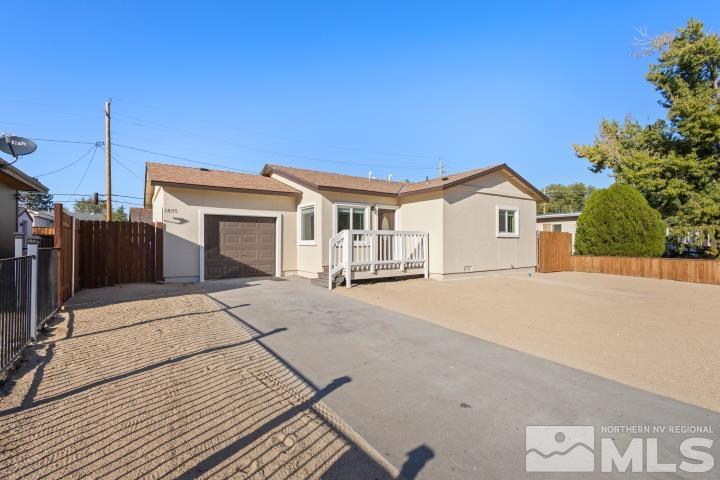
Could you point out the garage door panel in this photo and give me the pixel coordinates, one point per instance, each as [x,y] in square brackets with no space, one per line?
[237,246]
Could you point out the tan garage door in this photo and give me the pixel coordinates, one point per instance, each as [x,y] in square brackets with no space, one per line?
[239,246]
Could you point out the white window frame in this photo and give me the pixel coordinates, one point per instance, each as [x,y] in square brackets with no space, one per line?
[300,241]
[364,206]
[500,234]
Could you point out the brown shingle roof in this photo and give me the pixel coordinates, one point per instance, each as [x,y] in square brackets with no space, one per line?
[329,180]
[163,174]
[446,181]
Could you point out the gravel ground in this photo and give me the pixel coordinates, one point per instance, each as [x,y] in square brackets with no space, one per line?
[155,381]
[661,336]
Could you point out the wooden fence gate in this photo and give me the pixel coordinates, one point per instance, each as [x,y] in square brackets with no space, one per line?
[554,251]
[120,252]
[104,253]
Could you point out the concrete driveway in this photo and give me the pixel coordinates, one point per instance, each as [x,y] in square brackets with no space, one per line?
[440,403]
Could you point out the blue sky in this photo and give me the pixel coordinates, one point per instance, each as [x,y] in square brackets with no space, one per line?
[341,86]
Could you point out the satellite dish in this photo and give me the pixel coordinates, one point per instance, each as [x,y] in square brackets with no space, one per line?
[16,146]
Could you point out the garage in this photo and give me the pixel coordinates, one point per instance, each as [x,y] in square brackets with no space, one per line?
[239,246]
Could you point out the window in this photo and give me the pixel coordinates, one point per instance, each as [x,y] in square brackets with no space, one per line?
[557,227]
[351,217]
[306,224]
[507,222]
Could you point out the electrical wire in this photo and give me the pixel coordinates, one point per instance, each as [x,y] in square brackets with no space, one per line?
[86,169]
[69,164]
[126,168]
[271,135]
[180,158]
[65,141]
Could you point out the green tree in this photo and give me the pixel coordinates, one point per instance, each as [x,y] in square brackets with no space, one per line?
[565,198]
[674,162]
[618,221]
[86,205]
[36,201]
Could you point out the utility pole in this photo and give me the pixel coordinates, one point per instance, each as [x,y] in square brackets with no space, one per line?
[108,164]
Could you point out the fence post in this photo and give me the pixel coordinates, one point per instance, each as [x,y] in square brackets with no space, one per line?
[373,251]
[18,244]
[33,252]
[426,254]
[348,257]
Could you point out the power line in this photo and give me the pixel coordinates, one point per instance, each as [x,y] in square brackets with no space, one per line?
[54,105]
[86,169]
[65,141]
[69,164]
[126,168]
[271,135]
[180,158]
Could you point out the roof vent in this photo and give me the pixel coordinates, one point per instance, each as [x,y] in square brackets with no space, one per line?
[203,169]
[444,179]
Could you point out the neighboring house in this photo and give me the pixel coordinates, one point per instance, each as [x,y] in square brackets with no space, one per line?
[559,222]
[225,224]
[142,215]
[32,218]
[12,181]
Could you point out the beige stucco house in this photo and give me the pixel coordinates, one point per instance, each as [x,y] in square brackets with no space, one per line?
[290,221]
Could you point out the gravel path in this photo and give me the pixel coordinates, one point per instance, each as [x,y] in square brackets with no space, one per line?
[155,381]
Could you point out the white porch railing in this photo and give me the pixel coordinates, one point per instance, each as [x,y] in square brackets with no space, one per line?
[352,251]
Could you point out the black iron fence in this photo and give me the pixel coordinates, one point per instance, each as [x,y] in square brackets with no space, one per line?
[46,285]
[15,285]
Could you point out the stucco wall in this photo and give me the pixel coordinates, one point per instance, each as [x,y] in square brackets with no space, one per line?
[470,239]
[312,258]
[424,212]
[330,198]
[8,220]
[309,257]
[181,207]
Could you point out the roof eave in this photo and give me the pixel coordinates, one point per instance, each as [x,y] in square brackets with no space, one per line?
[223,189]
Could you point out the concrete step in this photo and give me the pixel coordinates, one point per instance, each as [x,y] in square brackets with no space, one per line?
[322,280]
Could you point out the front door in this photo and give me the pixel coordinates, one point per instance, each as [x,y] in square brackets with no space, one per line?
[387,244]
[386,219]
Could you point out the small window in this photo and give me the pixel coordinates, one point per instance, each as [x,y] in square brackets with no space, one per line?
[557,227]
[307,224]
[507,222]
[351,218]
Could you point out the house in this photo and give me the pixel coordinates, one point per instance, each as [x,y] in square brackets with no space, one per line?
[559,222]
[12,181]
[291,221]
[142,215]
[29,219]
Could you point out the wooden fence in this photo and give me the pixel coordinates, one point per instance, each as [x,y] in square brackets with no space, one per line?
[554,255]
[65,242]
[120,252]
[105,253]
[554,250]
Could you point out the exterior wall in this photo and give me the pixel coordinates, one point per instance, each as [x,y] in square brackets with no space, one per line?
[312,258]
[470,239]
[8,220]
[424,212]
[180,210]
[309,257]
[331,198]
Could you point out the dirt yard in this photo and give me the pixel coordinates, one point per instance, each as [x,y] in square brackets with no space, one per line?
[154,381]
[658,335]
